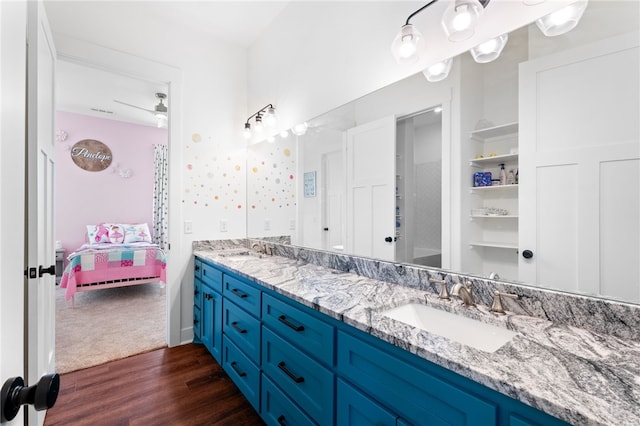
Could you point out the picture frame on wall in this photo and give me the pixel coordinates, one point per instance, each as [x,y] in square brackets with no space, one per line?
[309,184]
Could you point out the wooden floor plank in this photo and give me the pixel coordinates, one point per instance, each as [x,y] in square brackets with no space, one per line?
[171,386]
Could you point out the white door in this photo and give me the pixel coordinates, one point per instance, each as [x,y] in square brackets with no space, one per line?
[580,180]
[333,194]
[13,25]
[371,165]
[40,184]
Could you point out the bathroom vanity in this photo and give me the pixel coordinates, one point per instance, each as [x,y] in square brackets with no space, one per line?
[307,344]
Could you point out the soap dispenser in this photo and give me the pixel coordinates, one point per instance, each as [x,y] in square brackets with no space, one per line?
[511,178]
[503,175]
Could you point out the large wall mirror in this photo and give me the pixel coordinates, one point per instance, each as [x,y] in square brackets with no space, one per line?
[525,169]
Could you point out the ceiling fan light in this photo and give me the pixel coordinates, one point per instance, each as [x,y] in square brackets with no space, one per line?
[490,50]
[407,45]
[438,71]
[563,20]
[460,19]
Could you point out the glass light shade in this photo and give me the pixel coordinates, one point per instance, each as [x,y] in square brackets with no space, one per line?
[407,45]
[563,20]
[438,71]
[284,134]
[271,139]
[489,50]
[162,121]
[259,127]
[247,131]
[460,19]
[300,129]
[270,117]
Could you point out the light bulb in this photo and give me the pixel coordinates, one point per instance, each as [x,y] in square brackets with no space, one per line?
[284,134]
[460,19]
[270,118]
[562,21]
[437,109]
[259,127]
[247,131]
[271,139]
[407,45]
[300,129]
[438,71]
[489,50]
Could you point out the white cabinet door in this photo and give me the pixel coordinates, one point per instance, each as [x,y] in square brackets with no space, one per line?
[580,169]
[40,223]
[371,162]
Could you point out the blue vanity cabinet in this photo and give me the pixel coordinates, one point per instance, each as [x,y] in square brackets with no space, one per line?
[278,409]
[211,310]
[197,302]
[357,409]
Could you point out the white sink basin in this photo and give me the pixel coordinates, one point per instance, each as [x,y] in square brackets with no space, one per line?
[469,332]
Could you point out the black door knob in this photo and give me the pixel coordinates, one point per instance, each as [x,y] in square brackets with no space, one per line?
[15,394]
[325,229]
[527,254]
[388,239]
[51,270]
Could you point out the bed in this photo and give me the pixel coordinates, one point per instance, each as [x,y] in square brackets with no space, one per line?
[104,264]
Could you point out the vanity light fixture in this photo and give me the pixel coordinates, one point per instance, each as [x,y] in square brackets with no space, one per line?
[284,134]
[563,20]
[489,50]
[270,119]
[438,71]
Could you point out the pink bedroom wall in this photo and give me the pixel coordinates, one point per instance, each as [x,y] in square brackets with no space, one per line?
[85,198]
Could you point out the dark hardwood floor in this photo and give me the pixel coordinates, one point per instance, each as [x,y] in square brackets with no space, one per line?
[170,386]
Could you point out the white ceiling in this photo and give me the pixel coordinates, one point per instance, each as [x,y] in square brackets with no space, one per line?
[83,90]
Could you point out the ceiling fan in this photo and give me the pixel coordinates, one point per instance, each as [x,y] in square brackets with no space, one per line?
[160,110]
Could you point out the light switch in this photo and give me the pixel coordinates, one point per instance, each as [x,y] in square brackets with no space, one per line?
[292,224]
[267,225]
[188,227]
[223,226]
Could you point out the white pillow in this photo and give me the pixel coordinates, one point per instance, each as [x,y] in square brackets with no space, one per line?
[136,233]
[98,234]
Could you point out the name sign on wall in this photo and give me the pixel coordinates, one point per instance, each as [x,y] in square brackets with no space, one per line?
[91,155]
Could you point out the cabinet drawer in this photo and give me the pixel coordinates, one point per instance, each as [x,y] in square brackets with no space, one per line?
[242,371]
[415,395]
[278,409]
[212,277]
[197,268]
[197,292]
[305,381]
[242,294]
[243,330]
[356,409]
[301,329]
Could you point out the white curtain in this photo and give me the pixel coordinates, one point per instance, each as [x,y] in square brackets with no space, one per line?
[161,196]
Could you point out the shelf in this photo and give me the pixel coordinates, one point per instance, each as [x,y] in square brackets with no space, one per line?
[493,216]
[493,187]
[494,132]
[496,159]
[494,244]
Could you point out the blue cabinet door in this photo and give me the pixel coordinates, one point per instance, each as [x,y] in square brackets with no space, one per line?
[211,319]
[356,409]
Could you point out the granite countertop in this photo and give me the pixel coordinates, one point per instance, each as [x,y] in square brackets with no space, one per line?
[574,374]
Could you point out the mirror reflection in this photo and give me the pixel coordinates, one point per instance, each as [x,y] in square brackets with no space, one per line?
[526,168]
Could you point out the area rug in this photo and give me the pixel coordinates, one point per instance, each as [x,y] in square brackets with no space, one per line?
[108,324]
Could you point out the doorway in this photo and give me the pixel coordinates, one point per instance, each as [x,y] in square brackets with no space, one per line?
[120,194]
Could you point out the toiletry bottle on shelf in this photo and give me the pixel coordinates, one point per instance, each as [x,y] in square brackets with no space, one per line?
[517,177]
[503,175]
[511,177]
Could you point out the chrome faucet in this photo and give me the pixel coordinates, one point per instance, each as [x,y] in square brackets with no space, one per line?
[257,247]
[464,293]
[444,291]
[496,305]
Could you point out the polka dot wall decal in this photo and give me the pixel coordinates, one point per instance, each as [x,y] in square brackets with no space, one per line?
[237,167]
[216,198]
[239,206]
[287,152]
[196,137]
[254,170]
[291,177]
[189,166]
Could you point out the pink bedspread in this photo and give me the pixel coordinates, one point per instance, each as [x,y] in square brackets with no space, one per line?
[113,262]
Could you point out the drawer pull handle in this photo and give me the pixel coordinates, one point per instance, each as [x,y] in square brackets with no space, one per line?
[283,319]
[281,420]
[240,373]
[239,293]
[240,330]
[196,321]
[282,366]
[197,267]
[208,296]
[196,292]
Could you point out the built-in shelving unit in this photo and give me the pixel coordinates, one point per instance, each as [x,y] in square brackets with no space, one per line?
[493,238]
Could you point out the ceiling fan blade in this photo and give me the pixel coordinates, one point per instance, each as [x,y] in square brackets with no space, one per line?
[134,106]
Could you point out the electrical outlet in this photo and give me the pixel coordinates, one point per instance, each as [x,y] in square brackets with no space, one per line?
[188,227]
[267,225]
[223,226]
[292,224]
